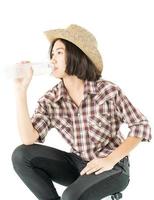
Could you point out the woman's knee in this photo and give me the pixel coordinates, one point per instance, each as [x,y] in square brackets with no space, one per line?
[19,154]
[68,195]
[72,193]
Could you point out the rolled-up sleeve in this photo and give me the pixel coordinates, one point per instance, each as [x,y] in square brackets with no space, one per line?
[41,119]
[137,122]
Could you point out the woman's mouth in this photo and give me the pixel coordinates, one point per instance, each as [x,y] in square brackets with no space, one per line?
[55,68]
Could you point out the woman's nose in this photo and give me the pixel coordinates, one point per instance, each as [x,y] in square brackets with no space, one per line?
[53,60]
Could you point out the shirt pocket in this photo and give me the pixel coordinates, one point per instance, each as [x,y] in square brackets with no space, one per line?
[99,129]
[64,125]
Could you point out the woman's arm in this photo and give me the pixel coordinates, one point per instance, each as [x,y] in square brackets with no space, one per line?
[139,131]
[124,149]
[99,165]
[27,133]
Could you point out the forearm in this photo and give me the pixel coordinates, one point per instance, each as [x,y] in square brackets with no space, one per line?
[124,149]
[27,133]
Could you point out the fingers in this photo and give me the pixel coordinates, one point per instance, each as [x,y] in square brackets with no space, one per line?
[99,171]
[91,167]
[24,61]
[23,65]
[84,171]
[97,166]
[89,170]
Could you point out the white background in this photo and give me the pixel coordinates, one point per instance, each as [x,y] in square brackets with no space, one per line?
[125,34]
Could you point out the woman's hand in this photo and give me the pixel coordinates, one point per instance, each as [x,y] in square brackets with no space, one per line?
[23,83]
[98,165]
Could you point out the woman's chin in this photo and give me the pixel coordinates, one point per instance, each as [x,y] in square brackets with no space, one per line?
[57,75]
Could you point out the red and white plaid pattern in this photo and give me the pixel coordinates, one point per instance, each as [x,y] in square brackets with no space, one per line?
[92,129]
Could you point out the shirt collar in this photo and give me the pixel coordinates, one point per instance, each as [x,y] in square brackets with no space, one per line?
[90,87]
[61,91]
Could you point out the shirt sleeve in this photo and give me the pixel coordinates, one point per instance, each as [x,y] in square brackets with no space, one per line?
[137,122]
[41,119]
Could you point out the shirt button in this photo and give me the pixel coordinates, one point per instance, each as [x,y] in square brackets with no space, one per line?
[100,124]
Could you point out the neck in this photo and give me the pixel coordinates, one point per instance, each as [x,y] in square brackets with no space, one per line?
[73,84]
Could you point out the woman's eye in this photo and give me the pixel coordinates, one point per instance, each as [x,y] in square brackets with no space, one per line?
[59,52]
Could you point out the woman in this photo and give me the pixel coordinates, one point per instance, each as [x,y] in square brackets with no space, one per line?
[88,112]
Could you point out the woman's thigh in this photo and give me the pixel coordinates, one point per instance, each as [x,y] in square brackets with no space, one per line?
[56,163]
[95,187]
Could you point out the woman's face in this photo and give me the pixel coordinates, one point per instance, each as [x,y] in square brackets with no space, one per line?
[58,59]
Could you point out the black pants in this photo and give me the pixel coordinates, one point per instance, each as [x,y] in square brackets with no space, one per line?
[39,165]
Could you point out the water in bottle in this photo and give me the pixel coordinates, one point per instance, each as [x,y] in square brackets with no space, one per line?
[20,70]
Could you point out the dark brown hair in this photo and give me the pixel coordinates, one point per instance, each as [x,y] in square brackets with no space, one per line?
[77,62]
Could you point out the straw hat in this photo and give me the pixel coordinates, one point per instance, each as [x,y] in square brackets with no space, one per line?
[81,38]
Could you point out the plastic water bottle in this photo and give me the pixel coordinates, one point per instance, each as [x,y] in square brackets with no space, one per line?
[20,70]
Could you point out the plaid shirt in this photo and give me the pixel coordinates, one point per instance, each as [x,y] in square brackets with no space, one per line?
[93,128]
